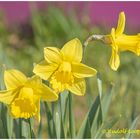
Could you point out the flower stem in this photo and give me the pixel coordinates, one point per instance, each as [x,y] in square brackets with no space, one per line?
[94,38]
[20,127]
[30,127]
[71,118]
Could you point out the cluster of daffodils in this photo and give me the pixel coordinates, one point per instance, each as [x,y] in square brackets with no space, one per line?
[62,68]
[64,71]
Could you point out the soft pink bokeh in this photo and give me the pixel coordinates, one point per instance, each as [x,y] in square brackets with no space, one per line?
[99,12]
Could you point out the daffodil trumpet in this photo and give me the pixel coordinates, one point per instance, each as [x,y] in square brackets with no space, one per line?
[63,68]
[119,42]
[23,94]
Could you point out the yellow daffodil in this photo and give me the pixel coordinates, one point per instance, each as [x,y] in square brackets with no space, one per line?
[23,94]
[63,68]
[121,42]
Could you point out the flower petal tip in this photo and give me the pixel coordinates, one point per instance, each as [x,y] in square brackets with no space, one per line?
[122,13]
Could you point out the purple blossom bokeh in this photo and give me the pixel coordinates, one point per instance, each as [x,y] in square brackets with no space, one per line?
[98,12]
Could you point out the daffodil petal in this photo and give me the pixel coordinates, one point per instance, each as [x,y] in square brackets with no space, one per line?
[7,96]
[72,50]
[26,92]
[41,90]
[52,55]
[114,60]
[33,82]
[45,70]
[46,93]
[14,78]
[113,35]
[78,87]
[121,24]
[80,70]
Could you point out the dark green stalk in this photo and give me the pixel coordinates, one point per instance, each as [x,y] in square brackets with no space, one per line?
[49,117]
[62,133]
[20,128]
[30,129]
[71,118]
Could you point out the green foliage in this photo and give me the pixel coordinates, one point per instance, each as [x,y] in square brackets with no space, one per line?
[113,99]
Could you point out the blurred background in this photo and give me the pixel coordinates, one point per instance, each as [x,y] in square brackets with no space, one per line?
[27,27]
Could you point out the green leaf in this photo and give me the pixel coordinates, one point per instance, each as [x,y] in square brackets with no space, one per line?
[57,125]
[2,132]
[2,85]
[17,128]
[4,120]
[9,125]
[39,131]
[96,122]
[89,117]
[24,129]
[100,116]
[106,101]
[50,121]
[84,131]
[132,127]
[62,136]
[101,132]
[99,83]
[32,135]
[63,99]
[103,110]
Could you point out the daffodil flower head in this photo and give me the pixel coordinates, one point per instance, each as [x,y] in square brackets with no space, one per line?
[63,68]
[121,42]
[23,94]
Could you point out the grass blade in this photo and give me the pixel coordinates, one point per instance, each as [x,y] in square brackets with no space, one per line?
[132,127]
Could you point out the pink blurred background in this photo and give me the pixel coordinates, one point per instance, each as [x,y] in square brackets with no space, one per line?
[99,12]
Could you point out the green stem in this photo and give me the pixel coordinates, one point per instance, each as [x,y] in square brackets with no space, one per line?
[71,118]
[95,38]
[30,127]
[20,128]
[50,122]
[53,119]
[62,133]
[29,122]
